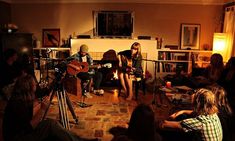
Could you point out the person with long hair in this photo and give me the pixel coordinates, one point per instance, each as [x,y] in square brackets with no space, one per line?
[206,122]
[215,69]
[130,63]
[21,122]
[9,72]
[142,126]
[227,81]
[225,111]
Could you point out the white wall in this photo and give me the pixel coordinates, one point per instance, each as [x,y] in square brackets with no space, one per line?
[156,20]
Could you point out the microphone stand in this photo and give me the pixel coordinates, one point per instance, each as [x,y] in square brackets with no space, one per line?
[155,85]
[47,65]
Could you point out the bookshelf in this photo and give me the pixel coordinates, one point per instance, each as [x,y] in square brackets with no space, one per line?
[45,60]
[49,55]
[170,61]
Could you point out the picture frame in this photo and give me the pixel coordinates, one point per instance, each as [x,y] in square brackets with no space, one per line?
[51,37]
[190,36]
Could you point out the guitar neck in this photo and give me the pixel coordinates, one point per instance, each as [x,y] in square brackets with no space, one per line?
[94,66]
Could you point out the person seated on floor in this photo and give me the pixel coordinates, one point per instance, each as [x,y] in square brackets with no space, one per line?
[214,70]
[225,111]
[22,122]
[84,56]
[227,81]
[142,126]
[207,76]
[206,123]
[179,78]
[130,63]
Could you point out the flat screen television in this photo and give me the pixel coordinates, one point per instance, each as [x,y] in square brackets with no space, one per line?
[113,23]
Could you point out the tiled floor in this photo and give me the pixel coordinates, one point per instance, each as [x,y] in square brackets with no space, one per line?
[106,112]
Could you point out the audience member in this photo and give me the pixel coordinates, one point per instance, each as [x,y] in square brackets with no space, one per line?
[141,126]
[225,111]
[215,69]
[26,64]
[21,122]
[130,63]
[9,72]
[206,124]
[227,81]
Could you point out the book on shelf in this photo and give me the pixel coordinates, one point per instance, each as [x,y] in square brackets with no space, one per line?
[171,67]
[172,56]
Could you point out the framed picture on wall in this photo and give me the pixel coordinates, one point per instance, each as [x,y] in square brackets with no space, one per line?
[190,36]
[51,37]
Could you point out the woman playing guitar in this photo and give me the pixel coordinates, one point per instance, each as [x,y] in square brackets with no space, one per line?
[130,63]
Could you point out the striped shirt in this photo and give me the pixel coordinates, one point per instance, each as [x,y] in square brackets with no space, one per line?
[208,127]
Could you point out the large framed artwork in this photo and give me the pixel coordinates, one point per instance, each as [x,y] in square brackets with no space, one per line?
[51,37]
[190,36]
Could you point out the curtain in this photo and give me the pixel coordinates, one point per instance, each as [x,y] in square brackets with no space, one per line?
[229,29]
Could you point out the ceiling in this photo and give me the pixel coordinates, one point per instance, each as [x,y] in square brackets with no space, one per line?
[200,2]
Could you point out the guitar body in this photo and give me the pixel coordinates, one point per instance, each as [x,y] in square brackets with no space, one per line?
[127,65]
[75,67]
[129,68]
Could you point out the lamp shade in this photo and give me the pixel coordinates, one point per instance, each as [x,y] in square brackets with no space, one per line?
[219,45]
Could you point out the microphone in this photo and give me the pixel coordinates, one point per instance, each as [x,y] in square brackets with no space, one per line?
[150,60]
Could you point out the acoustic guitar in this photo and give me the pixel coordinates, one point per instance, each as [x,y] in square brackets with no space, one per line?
[75,67]
[127,65]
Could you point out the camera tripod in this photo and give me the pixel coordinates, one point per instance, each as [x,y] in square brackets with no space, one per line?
[63,102]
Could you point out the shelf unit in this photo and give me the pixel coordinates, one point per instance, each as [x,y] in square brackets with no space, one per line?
[45,60]
[170,61]
[53,55]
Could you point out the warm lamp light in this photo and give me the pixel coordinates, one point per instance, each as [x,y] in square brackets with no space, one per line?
[219,44]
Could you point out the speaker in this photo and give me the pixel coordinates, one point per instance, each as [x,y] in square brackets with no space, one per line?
[144,37]
[84,36]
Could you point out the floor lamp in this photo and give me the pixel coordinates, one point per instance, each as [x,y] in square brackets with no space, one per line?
[219,45]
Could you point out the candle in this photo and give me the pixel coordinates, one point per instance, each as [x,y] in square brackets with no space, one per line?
[168,84]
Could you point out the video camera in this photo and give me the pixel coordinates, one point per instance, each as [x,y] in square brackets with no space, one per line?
[59,71]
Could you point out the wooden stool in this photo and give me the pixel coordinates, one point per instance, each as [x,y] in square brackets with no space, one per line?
[73,85]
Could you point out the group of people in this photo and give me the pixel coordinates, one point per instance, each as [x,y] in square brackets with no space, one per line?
[21,121]
[210,119]
[29,124]
[13,66]
[223,75]
[130,64]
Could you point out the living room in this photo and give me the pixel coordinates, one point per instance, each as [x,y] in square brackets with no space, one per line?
[152,19]
[156,20]
[161,19]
